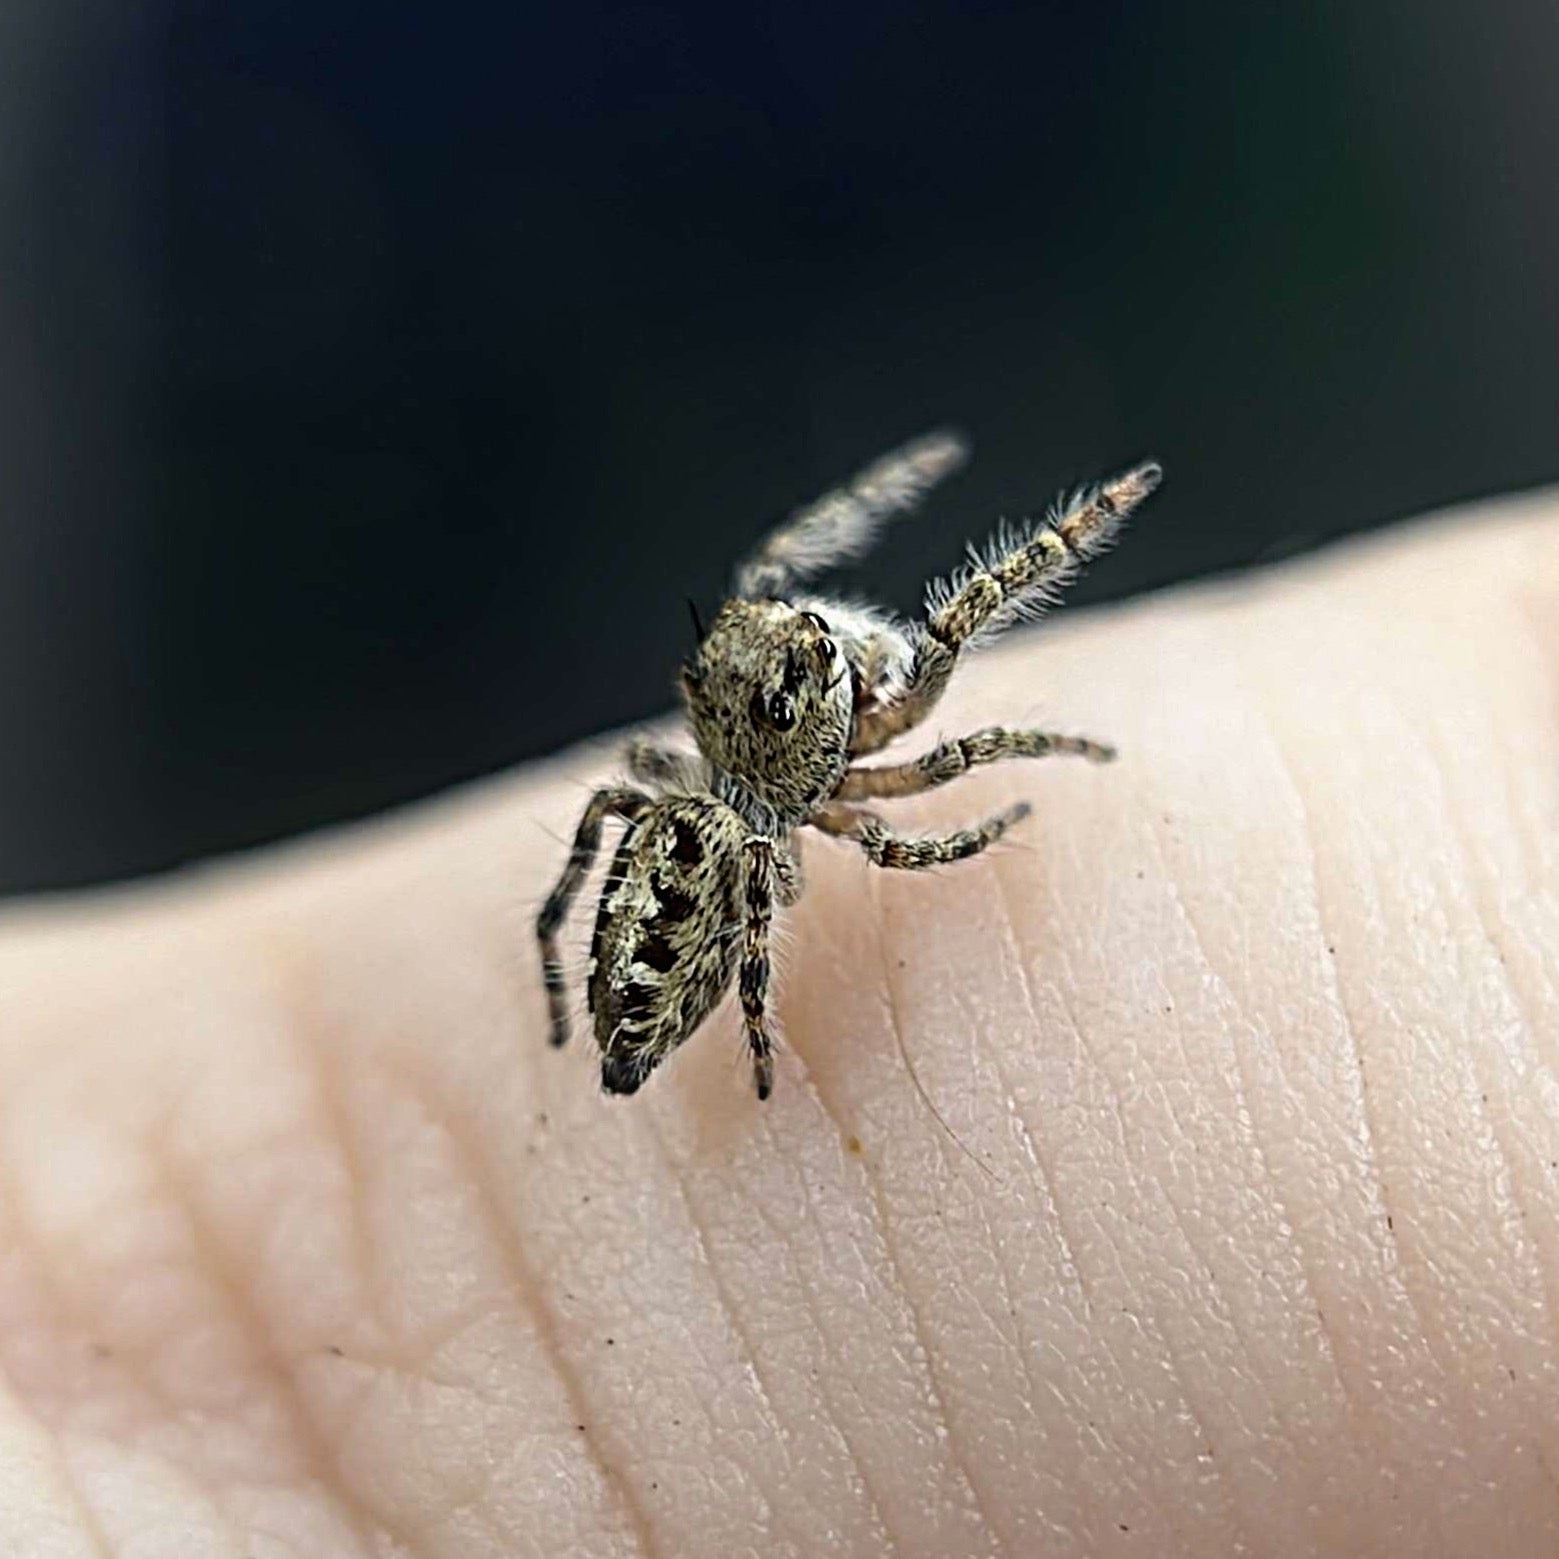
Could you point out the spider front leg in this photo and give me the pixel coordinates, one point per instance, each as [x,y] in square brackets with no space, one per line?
[620,802]
[883,847]
[948,761]
[1016,578]
[753,981]
[841,524]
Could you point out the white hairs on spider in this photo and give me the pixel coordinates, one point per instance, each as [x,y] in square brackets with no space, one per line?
[1029,604]
[1020,605]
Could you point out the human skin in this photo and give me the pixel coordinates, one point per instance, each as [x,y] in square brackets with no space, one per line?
[1248,1241]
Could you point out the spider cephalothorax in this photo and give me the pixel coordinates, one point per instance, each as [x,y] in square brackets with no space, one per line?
[784,693]
[770,697]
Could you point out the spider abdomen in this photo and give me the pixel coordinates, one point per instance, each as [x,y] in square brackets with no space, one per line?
[667,934]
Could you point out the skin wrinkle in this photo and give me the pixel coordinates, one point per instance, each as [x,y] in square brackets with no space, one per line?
[1542,635]
[468,1504]
[1159,1334]
[523,1281]
[775,1510]
[1439,1347]
[877,1505]
[1525,1001]
[468,1500]
[368,1528]
[1031,1139]
[1391,1216]
[96,1536]
[68,1313]
[505,956]
[1447,897]
[217,1260]
[1513,811]
[1014,1344]
[1509,1174]
[882,1528]
[912,1072]
[1073,1261]
[134,1537]
[130,1367]
[417,1363]
[413,1370]
[1522,1003]
[1134,1169]
[318,1063]
[867,1174]
[1472,874]
[1287,1230]
[878,1197]
[1155,831]
[1386,1228]
[708,1417]
[70,1486]
[922,1341]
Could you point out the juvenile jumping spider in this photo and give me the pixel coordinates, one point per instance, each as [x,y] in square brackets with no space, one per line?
[784,692]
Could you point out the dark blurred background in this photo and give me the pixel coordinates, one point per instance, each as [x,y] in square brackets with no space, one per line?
[377,379]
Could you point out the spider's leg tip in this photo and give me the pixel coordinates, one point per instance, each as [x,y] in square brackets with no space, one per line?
[943,441]
[619,1076]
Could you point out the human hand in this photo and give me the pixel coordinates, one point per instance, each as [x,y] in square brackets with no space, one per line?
[312,1246]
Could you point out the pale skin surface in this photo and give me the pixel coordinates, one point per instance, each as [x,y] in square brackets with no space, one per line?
[310,1245]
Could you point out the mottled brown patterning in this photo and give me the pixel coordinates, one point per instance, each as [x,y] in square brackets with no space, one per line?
[783,693]
[666,932]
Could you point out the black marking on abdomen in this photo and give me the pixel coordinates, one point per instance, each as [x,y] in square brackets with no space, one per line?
[688,848]
[655,949]
[675,905]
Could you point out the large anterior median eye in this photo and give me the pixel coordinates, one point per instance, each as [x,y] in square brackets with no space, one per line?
[777,710]
[816,621]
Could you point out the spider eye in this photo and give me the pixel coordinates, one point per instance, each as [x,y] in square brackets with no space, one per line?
[816,621]
[777,711]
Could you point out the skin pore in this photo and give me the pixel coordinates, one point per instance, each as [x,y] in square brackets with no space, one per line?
[311,1245]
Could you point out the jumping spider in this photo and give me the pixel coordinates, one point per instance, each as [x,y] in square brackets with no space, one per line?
[784,692]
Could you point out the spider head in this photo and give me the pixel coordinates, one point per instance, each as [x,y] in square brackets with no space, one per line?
[770,697]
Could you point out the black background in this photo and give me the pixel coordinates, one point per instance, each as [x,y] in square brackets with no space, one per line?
[377,379]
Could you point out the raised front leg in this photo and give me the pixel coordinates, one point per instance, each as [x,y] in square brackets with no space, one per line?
[843,523]
[883,847]
[1017,577]
[618,801]
[753,981]
[951,759]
